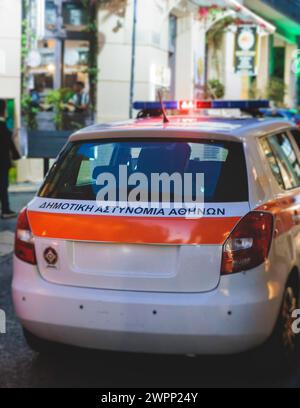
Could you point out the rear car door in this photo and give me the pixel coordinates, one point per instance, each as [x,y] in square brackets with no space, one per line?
[282,155]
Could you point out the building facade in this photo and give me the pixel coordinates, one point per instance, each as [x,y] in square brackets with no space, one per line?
[10,63]
[10,52]
[154,65]
[130,49]
[173,53]
[282,49]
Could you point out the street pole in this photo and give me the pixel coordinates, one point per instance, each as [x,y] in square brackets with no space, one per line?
[59,47]
[133,55]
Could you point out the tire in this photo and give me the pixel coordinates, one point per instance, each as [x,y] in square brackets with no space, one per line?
[282,349]
[40,345]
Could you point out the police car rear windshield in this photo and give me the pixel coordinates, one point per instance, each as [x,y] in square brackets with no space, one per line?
[80,169]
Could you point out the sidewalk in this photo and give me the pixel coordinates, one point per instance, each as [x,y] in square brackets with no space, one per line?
[6,244]
[24,188]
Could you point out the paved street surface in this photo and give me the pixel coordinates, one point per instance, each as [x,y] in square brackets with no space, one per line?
[19,367]
[6,242]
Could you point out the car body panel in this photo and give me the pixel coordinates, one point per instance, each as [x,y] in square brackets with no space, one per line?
[238,315]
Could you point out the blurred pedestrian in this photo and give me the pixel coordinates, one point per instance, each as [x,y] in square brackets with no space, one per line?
[80,100]
[8,151]
[35,98]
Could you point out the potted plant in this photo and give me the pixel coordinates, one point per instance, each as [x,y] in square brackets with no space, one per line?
[57,99]
[29,112]
[46,138]
[276,91]
[216,89]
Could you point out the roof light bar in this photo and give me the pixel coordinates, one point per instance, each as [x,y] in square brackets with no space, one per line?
[245,104]
[170,105]
[186,105]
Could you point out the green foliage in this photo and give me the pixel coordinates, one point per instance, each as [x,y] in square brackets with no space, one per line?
[216,89]
[276,90]
[92,28]
[29,112]
[57,99]
[215,37]
[12,175]
[93,72]
[28,37]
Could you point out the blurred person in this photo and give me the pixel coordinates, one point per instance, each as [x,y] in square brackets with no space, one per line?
[35,97]
[8,151]
[80,100]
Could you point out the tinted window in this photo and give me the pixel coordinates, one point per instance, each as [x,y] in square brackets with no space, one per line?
[296,134]
[274,115]
[75,173]
[286,159]
[272,161]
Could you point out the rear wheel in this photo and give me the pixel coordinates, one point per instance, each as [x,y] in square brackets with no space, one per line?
[289,338]
[282,350]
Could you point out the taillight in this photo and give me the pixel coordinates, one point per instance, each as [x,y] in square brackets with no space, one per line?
[249,243]
[24,243]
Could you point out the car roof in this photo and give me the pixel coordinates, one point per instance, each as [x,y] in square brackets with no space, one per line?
[223,128]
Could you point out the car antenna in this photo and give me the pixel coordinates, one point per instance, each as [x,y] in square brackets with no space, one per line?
[165,117]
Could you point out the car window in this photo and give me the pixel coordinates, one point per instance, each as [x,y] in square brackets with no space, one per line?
[272,161]
[74,176]
[286,159]
[296,136]
[274,115]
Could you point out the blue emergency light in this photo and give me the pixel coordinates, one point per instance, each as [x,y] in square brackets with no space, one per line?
[186,105]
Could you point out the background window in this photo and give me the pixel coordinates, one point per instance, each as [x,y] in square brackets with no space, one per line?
[74,16]
[42,67]
[296,134]
[50,15]
[76,60]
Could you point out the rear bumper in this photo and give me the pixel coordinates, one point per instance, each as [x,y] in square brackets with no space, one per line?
[240,314]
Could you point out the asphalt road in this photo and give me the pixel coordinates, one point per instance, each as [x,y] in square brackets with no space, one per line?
[20,367]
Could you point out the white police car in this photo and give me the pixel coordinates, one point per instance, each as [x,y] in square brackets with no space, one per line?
[217,279]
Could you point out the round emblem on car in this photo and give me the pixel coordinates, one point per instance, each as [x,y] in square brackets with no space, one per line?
[50,256]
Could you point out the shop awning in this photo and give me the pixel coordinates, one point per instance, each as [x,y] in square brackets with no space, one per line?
[241,12]
[281,13]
